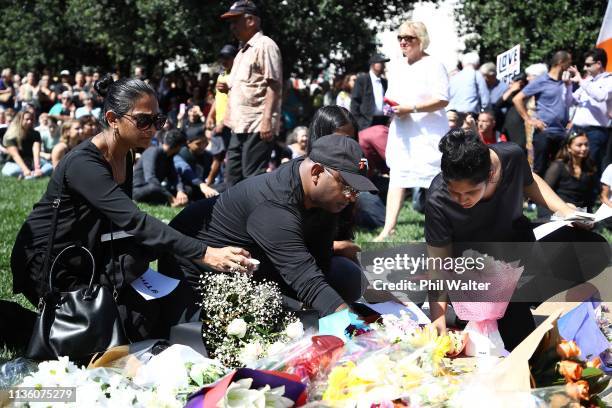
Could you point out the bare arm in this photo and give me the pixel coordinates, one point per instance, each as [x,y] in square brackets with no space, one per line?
[519,103]
[14,152]
[431,105]
[36,155]
[270,102]
[541,193]
[605,194]
[438,301]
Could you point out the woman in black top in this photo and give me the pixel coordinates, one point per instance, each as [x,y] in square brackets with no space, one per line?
[573,174]
[95,201]
[478,197]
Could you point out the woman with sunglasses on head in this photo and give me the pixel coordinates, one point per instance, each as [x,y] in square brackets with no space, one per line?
[96,211]
[419,90]
[573,175]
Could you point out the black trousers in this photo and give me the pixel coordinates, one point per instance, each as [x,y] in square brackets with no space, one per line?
[150,194]
[545,148]
[247,155]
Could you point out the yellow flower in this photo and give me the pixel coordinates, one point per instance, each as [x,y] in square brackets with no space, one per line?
[344,384]
[423,337]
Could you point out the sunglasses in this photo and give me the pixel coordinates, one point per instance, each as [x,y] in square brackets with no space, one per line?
[407,38]
[347,190]
[144,121]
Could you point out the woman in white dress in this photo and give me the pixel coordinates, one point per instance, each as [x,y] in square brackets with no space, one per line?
[420,89]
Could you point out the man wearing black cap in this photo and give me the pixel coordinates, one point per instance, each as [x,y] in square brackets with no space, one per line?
[368,94]
[255,86]
[287,220]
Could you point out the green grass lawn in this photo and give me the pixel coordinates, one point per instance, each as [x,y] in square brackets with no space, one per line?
[18,197]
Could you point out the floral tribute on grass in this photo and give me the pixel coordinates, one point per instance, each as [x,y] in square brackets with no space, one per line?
[243,320]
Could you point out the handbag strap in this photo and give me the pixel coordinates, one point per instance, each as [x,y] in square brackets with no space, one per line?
[56,208]
[93,267]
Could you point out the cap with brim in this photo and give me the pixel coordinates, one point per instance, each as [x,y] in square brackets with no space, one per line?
[241,7]
[229,51]
[344,155]
[378,58]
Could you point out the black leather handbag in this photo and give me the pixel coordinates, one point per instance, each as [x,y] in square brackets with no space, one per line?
[76,323]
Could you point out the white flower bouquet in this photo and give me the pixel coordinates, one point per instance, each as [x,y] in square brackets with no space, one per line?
[242,318]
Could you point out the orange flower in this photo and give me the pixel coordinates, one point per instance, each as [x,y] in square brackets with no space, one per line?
[578,390]
[595,363]
[568,349]
[571,370]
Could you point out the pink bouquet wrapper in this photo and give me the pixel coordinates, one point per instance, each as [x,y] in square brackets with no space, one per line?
[483,308]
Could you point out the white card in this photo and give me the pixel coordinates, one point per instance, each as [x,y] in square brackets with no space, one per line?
[394,308]
[154,285]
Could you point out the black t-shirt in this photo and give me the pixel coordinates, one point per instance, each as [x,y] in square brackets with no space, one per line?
[492,220]
[265,215]
[91,200]
[571,189]
[26,146]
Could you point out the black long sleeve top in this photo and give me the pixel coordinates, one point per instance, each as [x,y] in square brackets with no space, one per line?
[154,167]
[91,200]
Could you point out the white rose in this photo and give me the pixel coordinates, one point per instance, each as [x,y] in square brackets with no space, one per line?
[237,327]
[250,353]
[295,330]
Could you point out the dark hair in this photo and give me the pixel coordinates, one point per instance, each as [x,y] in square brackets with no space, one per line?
[598,54]
[464,157]
[326,120]
[588,165]
[174,138]
[560,57]
[85,119]
[120,96]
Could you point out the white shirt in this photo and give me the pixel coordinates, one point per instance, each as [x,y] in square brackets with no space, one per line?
[379,94]
[594,101]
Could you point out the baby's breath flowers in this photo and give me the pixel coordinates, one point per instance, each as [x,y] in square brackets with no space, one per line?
[242,318]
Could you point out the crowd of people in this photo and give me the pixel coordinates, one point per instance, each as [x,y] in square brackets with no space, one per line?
[284,173]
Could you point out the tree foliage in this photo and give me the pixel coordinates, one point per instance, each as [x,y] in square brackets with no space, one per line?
[540,26]
[114,35]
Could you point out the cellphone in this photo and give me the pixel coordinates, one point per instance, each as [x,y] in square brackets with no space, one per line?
[182,108]
[565,76]
[390,102]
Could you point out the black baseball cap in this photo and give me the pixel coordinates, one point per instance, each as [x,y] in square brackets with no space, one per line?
[194,133]
[228,51]
[343,154]
[241,7]
[378,58]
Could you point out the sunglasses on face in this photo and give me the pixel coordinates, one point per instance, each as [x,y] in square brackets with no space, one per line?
[407,38]
[144,121]
[347,190]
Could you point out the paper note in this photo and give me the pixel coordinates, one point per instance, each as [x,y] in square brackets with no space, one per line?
[603,212]
[548,228]
[154,285]
[394,308]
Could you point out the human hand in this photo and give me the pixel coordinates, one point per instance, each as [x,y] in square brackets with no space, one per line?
[228,259]
[208,191]
[401,110]
[37,173]
[181,199]
[222,87]
[210,123]
[537,123]
[265,133]
[347,249]
[515,86]
[574,74]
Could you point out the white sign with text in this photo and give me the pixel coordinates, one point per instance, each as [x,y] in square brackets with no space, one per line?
[509,64]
